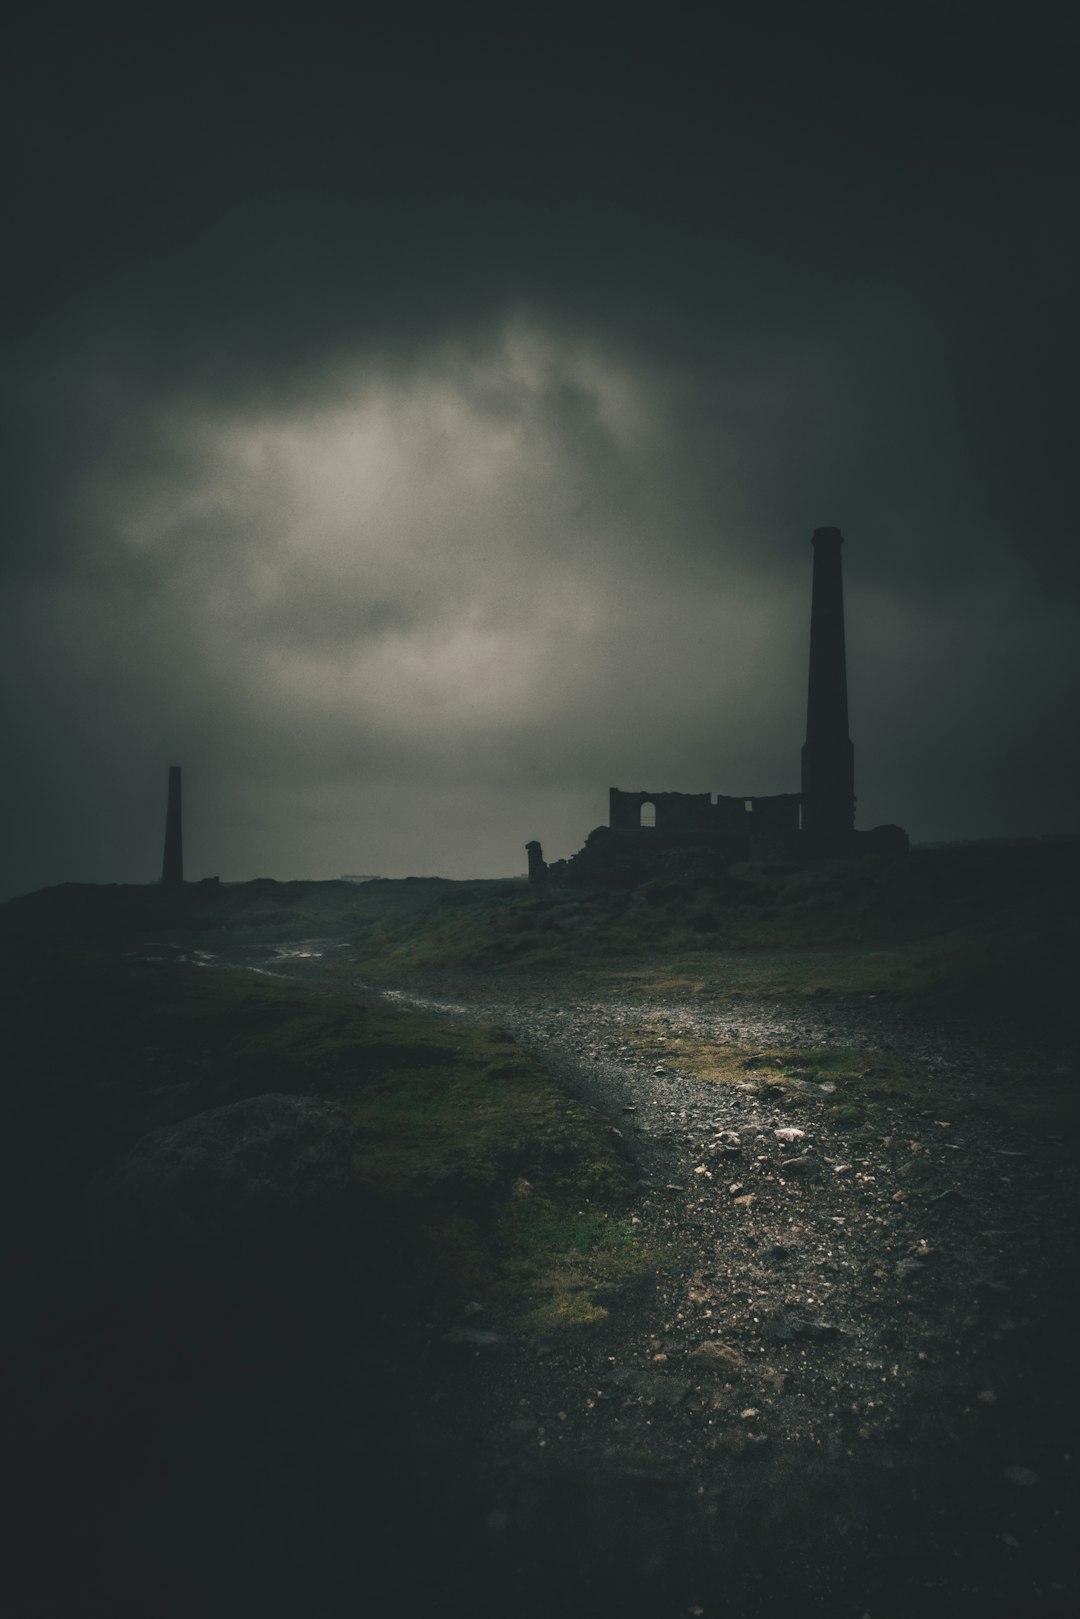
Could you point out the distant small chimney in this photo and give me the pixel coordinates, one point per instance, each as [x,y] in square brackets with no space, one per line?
[172,867]
[828,759]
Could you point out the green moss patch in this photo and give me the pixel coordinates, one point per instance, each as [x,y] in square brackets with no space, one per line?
[842,1080]
[568,1263]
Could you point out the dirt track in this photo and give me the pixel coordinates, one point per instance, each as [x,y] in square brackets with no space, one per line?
[844,1385]
[843,1389]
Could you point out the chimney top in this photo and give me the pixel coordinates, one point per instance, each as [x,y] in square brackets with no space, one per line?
[827,534]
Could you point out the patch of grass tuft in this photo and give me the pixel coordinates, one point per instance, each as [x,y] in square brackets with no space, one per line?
[540,1226]
[568,1261]
[849,1115]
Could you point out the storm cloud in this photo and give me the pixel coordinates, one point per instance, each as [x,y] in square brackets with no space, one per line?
[414,431]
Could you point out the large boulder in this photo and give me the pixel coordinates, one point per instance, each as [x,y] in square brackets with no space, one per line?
[225,1191]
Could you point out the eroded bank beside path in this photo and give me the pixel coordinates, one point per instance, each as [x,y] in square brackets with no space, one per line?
[851,1328]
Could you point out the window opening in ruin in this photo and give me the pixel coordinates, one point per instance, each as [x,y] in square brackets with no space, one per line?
[648,814]
[748,804]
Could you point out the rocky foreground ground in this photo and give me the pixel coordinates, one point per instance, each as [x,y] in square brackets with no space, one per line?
[844,1384]
[828,1372]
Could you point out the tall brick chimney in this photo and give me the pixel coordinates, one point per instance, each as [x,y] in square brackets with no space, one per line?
[828,758]
[172,867]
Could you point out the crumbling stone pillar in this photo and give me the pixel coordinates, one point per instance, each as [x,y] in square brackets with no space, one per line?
[537,865]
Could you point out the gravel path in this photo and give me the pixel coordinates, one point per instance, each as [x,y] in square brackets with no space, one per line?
[843,1385]
[859,1331]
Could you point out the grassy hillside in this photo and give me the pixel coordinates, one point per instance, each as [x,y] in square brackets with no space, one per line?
[982,929]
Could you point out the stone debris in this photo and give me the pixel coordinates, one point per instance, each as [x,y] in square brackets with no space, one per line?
[719,1355]
[800,1166]
[792,1329]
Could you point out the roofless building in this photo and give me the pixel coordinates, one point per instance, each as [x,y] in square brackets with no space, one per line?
[644,826]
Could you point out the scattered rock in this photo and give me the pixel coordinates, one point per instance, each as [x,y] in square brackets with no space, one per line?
[800,1166]
[783,1329]
[724,1357]
[917,1170]
[726,1144]
[1025,1478]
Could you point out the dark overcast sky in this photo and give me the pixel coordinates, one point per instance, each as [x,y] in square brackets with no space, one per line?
[415,426]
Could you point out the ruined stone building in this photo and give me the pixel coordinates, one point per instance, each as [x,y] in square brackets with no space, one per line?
[651,831]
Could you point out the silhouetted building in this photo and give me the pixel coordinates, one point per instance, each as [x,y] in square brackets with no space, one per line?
[649,833]
[172,866]
[699,818]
